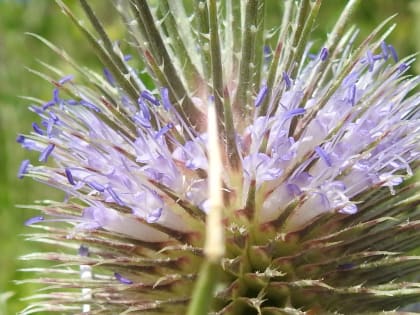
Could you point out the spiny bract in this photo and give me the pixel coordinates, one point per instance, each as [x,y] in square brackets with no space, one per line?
[317,146]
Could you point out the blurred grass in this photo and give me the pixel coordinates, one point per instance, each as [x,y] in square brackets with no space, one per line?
[18,51]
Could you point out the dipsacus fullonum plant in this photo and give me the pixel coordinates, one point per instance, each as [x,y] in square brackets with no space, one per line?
[227,167]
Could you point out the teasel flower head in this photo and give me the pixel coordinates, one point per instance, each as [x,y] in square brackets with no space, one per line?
[227,167]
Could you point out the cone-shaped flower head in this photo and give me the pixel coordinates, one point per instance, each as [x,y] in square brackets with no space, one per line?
[307,159]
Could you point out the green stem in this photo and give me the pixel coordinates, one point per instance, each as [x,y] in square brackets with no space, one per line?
[221,96]
[232,150]
[190,72]
[202,25]
[272,72]
[102,54]
[203,293]
[216,65]
[160,53]
[103,35]
[299,25]
[304,35]
[235,26]
[259,45]
[240,103]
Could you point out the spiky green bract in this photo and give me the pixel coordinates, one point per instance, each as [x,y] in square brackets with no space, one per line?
[320,152]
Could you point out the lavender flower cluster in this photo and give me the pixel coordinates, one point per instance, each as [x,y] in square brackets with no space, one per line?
[364,135]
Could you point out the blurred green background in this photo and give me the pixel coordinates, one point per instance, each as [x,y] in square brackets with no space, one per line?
[19,51]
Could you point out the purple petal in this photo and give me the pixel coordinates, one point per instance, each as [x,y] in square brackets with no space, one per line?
[37,128]
[164,130]
[36,109]
[83,251]
[370,60]
[144,109]
[66,79]
[154,215]
[385,50]
[56,97]
[96,186]
[20,139]
[352,94]
[351,79]
[94,216]
[46,153]
[377,57]
[72,102]
[393,53]
[90,105]
[108,76]
[115,196]
[150,97]
[324,54]
[48,104]
[23,168]
[50,126]
[349,209]
[268,174]
[293,190]
[154,174]
[122,279]
[391,180]
[54,117]
[261,95]
[267,53]
[402,67]
[69,176]
[323,155]
[294,112]
[34,220]
[164,93]
[287,80]
[141,120]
